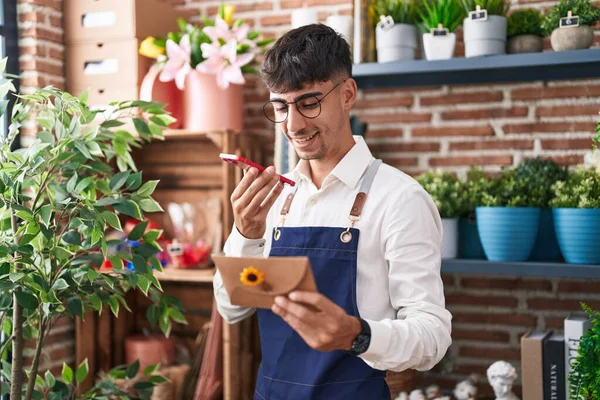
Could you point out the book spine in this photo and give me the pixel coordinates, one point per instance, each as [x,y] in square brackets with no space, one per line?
[574,330]
[554,370]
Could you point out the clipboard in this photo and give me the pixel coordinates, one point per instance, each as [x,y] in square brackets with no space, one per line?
[255,281]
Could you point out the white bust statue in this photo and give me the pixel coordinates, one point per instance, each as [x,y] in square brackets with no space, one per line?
[465,390]
[501,376]
[417,394]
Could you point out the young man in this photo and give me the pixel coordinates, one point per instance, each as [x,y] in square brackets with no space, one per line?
[372,234]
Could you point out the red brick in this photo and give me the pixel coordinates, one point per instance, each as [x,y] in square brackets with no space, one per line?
[37,50]
[243,8]
[57,54]
[33,16]
[461,98]
[54,4]
[485,130]
[38,32]
[549,127]
[480,335]
[401,162]
[56,22]
[396,117]
[470,160]
[565,160]
[468,369]
[579,287]
[311,3]
[538,303]
[276,20]
[493,145]
[404,147]
[487,113]
[390,90]
[555,92]
[384,133]
[566,144]
[490,353]
[404,101]
[555,322]
[506,283]
[567,111]
[483,300]
[256,98]
[495,319]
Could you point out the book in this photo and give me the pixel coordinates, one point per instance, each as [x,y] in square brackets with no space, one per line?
[554,367]
[576,324]
[531,364]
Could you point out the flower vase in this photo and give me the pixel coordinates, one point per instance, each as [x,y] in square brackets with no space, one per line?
[208,107]
[152,89]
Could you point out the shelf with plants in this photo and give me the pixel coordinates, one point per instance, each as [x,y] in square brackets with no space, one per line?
[523,29]
[525,268]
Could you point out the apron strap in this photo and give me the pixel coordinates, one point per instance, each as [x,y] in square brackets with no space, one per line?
[361,197]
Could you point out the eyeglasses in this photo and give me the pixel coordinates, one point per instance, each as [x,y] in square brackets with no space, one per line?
[308,105]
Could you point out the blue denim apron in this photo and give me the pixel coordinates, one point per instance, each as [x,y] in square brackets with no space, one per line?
[290,369]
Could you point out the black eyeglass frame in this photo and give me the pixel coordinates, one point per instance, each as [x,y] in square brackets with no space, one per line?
[287,103]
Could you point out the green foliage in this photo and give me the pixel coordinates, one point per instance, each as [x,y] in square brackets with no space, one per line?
[525,22]
[401,11]
[476,185]
[584,379]
[581,189]
[588,14]
[493,7]
[596,140]
[446,191]
[58,198]
[541,175]
[449,13]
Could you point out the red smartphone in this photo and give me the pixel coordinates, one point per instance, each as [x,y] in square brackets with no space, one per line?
[244,162]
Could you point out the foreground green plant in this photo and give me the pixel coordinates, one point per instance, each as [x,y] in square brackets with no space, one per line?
[446,191]
[584,378]
[448,13]
[581,189]
[588,14]
[493,7]
[57,199]
[525,22]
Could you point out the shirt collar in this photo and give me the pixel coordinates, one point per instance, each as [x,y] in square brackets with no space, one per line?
[350,168]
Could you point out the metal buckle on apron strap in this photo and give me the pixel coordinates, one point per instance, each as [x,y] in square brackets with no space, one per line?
[346,236]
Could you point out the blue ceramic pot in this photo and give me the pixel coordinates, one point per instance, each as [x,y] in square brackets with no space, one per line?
[468,239]
[507,233]
[546,247]
[578,234]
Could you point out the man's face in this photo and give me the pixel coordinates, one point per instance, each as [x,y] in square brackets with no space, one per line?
[313,138]
[501,386]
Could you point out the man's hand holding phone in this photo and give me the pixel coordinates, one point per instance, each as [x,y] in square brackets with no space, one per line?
[253,198]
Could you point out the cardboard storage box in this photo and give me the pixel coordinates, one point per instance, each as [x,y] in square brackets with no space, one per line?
[88,20]
[101,96]
[106,64]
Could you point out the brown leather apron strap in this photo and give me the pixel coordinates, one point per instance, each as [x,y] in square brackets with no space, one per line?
[359,202]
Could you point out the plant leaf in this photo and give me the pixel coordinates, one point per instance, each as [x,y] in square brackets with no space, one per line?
[112,219]
[152,314]
[67,374]
[27,300]
[138,232]
[177,316]
[150,205]
[133,369]
[72,237]
[75,305]
[118,180]
[147,189]
[82,371]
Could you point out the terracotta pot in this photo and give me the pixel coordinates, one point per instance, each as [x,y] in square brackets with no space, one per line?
[525,44]
[149,350]
[207,107]
[152,89]
[576,38]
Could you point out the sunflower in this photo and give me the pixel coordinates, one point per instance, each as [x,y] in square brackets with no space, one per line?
[252,277]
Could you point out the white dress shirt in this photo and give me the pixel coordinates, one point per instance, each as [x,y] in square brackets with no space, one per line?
[399,289]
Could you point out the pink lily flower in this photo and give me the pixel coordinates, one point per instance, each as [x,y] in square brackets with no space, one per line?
[221,31]
[224,62]
[178,63]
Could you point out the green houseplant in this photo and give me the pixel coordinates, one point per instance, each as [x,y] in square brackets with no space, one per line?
[476,184]
[397,41]
[447,193]
[446,14]
[584,379]
[576,212]
[486,37]
[525,33]
[58,197]
[572,38]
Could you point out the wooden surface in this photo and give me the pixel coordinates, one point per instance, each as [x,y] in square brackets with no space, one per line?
[185,275]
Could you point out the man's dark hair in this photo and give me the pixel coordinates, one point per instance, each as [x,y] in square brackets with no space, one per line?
[306,55]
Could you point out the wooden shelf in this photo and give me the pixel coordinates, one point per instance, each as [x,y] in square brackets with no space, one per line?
[516,269]
[171,274]
[550,65]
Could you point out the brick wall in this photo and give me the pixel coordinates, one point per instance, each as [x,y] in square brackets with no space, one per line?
[450,127]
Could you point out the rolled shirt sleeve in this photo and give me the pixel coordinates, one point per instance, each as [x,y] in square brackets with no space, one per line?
[421,333]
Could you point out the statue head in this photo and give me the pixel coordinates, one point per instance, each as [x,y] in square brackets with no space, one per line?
[501,376]
[465,390]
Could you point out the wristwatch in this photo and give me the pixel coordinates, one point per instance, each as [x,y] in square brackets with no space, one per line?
[361,342]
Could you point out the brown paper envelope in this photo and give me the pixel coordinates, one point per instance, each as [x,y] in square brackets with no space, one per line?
[282,275]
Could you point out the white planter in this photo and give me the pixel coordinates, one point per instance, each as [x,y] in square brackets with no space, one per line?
[483,38]
[439,47]
[396,43]
[450,238]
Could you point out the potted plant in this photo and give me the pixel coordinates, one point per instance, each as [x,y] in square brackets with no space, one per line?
[585,374]
[58,197]
[447,193]
[207,62]
[395,30]
[508,217]
[485,27]
[524,32]
[571,36]
[469,243]
[439,21]
[542,174]
[576,212]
